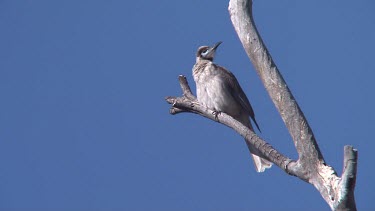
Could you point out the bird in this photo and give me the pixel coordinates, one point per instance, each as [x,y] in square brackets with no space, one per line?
[218,89]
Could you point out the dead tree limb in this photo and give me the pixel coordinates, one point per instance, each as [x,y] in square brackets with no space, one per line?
[338,192]
[188,103]
[311,165]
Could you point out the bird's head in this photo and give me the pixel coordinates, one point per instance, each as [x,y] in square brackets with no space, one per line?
[207,52]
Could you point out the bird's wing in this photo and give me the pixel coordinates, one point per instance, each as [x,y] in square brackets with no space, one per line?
[237,93]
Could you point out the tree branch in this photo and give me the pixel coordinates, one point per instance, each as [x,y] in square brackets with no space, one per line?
[188,103]
[310,166]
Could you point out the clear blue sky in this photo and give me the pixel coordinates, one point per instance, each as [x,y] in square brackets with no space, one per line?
[84,124]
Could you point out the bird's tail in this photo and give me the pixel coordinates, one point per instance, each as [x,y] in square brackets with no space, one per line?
[261,164]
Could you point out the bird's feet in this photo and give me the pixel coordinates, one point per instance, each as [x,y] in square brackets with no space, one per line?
[216,113]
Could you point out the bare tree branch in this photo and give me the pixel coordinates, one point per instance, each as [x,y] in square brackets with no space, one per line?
[188,103]
[310,166]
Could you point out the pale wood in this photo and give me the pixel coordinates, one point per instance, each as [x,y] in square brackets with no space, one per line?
[338,192]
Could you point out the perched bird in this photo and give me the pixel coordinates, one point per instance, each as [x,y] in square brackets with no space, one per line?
[218,89]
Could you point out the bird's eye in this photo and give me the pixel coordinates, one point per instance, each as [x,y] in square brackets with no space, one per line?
[204,53]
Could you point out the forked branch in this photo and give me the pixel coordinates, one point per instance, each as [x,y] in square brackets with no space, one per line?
[338,192]
[311,163]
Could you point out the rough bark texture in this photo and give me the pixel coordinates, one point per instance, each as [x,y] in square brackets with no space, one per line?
[310,167]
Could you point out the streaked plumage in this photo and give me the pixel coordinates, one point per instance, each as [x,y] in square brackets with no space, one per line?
[218,89]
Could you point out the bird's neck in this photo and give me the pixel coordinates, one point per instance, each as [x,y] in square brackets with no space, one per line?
[200,59]
[199,66]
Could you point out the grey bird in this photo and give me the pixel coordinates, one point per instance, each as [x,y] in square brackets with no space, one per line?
[218,89]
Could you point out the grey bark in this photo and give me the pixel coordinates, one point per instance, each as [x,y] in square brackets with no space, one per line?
[338,192]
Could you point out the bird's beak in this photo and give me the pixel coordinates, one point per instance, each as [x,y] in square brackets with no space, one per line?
[216,45]
[212,50]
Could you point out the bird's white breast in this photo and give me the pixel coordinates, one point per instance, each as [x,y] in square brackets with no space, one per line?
[214,92]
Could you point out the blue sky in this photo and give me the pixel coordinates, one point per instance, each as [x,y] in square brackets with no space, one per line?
[84,124]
